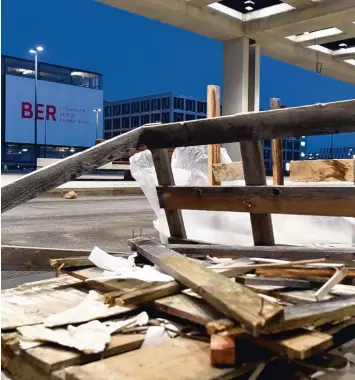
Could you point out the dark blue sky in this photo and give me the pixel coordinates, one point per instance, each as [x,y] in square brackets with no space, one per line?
[138,56]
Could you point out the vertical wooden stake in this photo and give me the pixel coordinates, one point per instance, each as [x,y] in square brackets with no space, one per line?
[213,110]
[276,148]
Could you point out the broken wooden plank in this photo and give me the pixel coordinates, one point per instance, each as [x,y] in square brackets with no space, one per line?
[337,277]
[67,169]
[331,201]
[228,172]
[274,281]
[50,358]
[313,314]
[306,273]
[213,150]
[276,150]
[322,170]
[254,174]
[233,299]
[165,177]
[346,255]
[318,119]
[176,359]
[18,258]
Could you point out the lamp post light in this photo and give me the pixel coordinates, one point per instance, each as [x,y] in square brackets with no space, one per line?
[35,52]
[97,111]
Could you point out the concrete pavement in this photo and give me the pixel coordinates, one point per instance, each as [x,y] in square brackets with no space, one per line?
[81,223]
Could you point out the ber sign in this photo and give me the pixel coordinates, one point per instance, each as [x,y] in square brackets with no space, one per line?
[64,113]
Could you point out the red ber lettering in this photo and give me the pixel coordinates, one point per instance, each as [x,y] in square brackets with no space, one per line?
[39,111]
[26,110]
[51,111]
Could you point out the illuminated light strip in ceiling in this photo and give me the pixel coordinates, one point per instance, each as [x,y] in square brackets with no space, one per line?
[259,14]
[350,61]
[343,51]
[314,35]
[321,49]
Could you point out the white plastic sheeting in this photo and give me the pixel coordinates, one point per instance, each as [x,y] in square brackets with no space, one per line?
[189,166]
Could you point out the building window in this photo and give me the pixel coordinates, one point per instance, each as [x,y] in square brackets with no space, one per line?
[267,144]
[201,107]
[135,107]
[178,103]
[117,123]
[297,145]
[178,116]
[189,117]
[125,122]
[107,135]
[289,156]
[165,117]
[108,111]
[296,155]
[117,110]
[201,117]
[190,105]
[116,133]
[145,106]
[290,145]
[165,103]
[155,118]
[155,104]
[135,121]
[144,119]
[126,109]
[107,124]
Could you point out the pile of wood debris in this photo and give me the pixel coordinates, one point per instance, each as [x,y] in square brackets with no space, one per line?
[217,318]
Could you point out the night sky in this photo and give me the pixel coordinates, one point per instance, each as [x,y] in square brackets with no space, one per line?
[138,56]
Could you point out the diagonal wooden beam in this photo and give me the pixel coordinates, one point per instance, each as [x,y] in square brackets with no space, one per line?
[52,176]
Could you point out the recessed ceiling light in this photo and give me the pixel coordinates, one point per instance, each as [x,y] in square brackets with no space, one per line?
[249,2]
[343,44]
[248,8]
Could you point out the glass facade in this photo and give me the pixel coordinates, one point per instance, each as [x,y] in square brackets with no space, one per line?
[51,73]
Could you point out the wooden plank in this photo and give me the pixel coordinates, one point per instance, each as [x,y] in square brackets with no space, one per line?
[50,358]
[176,359]
[274,281]
[18,258]
[228,172]
[222,350]
[307,273]
[318,119]
[214,150]
[190,308]
[233,299]
[276,148]
[346,255]
[254,174]
[299,344]
[165,177]
[322,170]
[67,169]
[313,314]
[331,201]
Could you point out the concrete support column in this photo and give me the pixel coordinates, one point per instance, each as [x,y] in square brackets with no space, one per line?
[241,84]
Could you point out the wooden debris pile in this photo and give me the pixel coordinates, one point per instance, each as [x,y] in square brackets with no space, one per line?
[237,317]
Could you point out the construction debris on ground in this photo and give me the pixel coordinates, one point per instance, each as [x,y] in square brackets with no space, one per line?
[190,316]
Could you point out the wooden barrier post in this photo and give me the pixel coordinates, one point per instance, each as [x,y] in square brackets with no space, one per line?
[276,149]
[214,150]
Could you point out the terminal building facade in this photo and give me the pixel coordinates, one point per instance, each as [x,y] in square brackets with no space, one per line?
[66,122]
[124,115]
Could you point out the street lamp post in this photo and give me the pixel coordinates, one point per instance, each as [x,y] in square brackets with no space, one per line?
[35,52]
[97,111]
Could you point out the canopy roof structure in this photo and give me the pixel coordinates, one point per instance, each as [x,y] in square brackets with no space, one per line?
[318,35]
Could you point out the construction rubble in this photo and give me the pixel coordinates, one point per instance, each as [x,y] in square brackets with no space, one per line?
[155,313]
